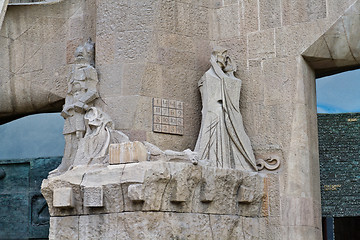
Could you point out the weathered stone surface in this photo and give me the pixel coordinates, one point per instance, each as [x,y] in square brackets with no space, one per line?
[270,14]
[63,198]
[246,195]
[261,44]
[249,15]
[129,152]
[136,192]
[102,226]
[164,226]
[160,48]
[70,179]
[229,21]
[32,49]
[93,197]
[302,11]
[64,228]
[159,186]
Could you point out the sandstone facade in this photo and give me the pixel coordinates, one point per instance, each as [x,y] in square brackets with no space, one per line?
[161,48]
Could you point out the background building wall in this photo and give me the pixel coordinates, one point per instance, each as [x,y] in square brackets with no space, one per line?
[24,212]
[339,161]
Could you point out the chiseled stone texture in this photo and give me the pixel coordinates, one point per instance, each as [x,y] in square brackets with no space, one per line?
[128,152]
[158,186]
[64,228]
[159,46]
[101,226]
[158,200]
[37,45]
[63,197]
[278,100]
[93,197]
[161,225]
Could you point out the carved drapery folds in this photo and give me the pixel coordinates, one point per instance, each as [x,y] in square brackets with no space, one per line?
[222,140]
[88,131]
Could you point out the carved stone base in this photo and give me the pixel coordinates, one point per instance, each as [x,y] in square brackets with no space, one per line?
[157,200]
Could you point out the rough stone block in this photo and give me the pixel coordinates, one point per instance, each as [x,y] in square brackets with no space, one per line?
[207,188]
[278,75]
[295,39]
[63,197]
[270,14]
[136,193]
[129,152]
[229,20]
[102,226]
[64,228]
[93,197]
[206,193]
[246,195]
[261,44]
[185,179]
[250,13]
[302,10]
[164,226]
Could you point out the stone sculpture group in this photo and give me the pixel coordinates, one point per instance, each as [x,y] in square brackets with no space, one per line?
[222,141]
[88,131]
[103,173]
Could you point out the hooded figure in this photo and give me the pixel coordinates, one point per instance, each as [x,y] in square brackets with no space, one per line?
[222,140]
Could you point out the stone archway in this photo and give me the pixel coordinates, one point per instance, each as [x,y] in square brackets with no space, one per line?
[336,50]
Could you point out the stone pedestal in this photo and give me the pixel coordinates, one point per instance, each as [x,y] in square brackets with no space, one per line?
[157,200]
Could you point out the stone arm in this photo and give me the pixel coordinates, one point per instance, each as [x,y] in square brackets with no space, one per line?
[82,104]
[91,82]
[90,94]
[217,69]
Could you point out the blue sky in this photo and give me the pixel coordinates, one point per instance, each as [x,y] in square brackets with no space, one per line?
[339,93]
[33,136]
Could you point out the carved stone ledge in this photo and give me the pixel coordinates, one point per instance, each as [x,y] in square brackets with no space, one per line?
[156,186]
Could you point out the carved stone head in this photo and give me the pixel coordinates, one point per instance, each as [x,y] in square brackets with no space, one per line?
[85,53]
[220,55]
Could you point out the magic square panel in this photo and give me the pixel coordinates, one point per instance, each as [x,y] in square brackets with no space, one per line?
[168,116]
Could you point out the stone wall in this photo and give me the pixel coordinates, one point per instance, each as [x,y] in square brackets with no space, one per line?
[37,43]
[157,200]
[339,164]
[161,48]
[148,49]
[278,99]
